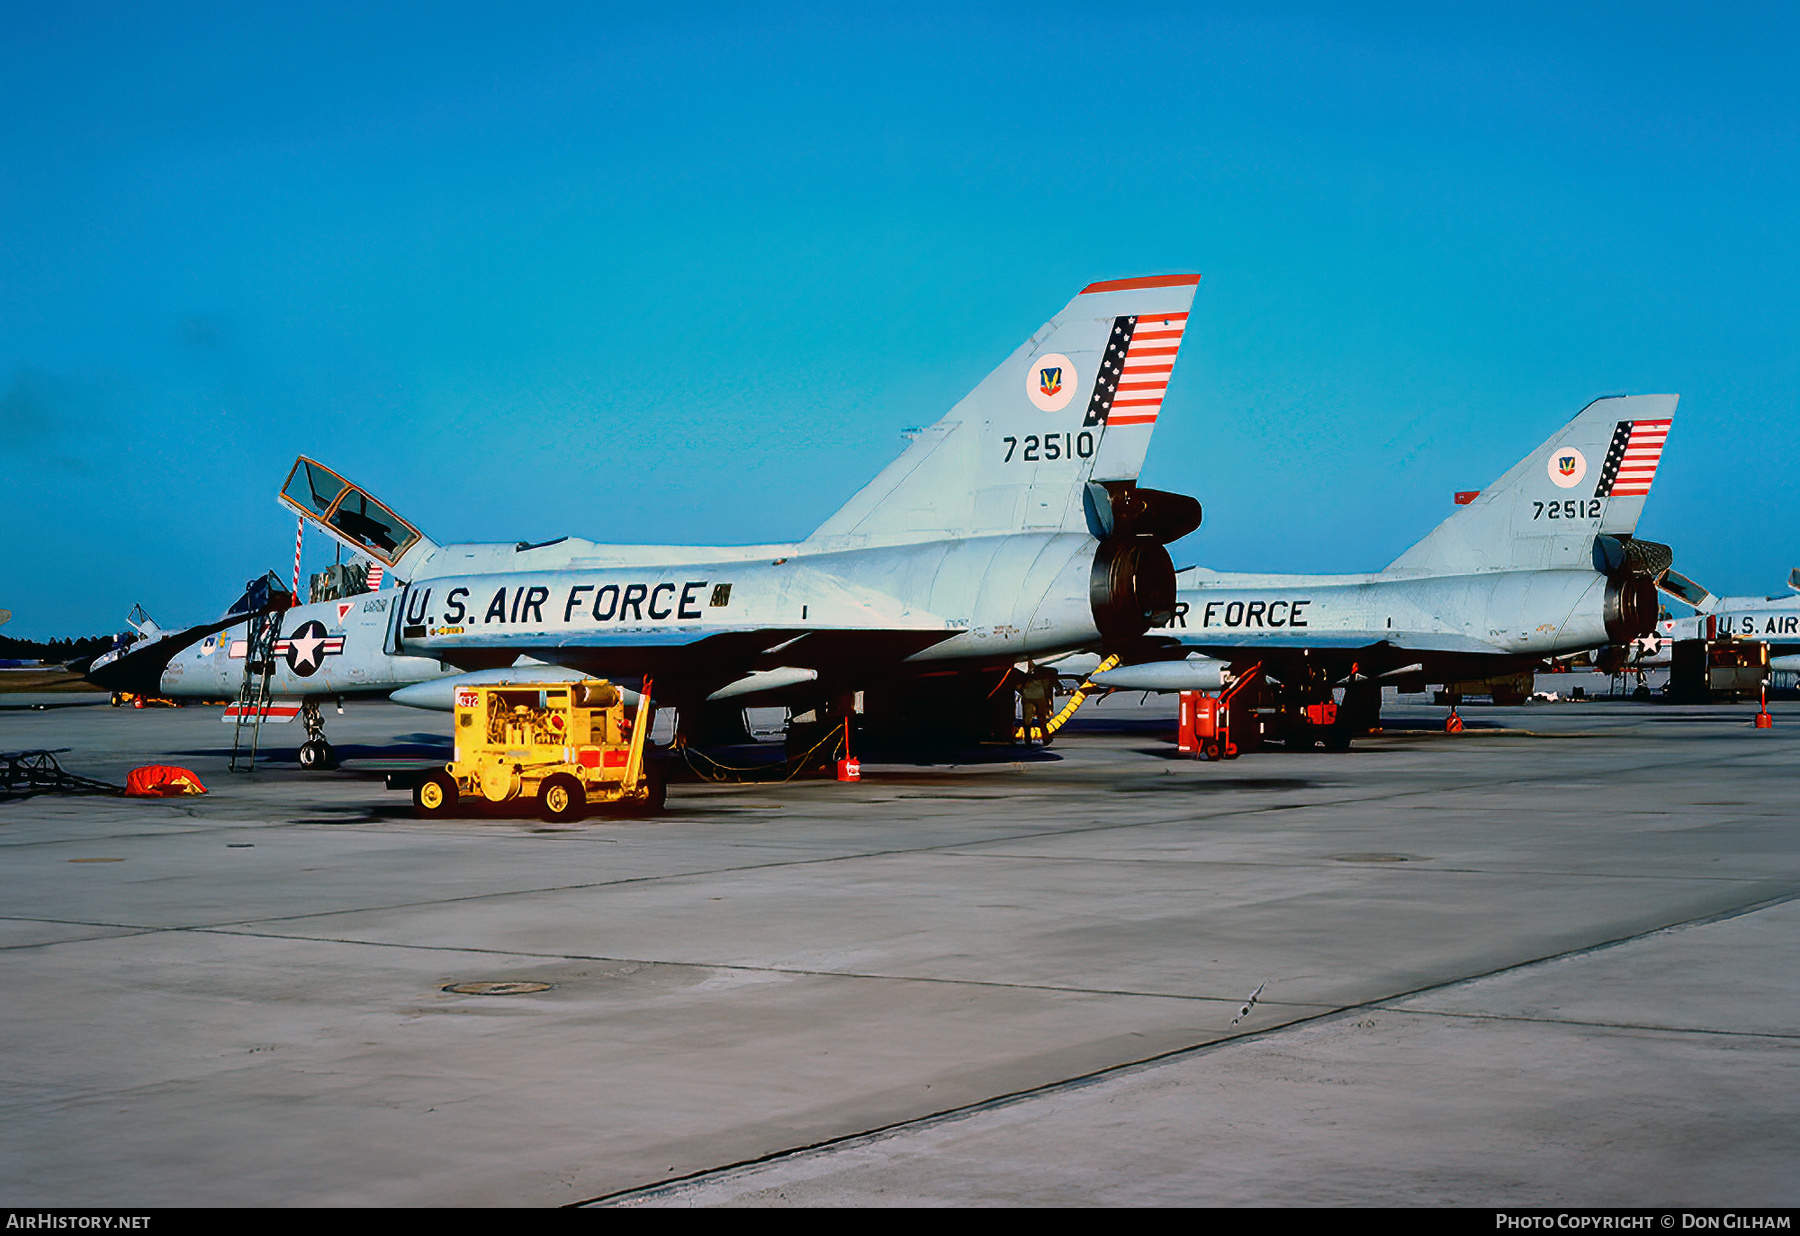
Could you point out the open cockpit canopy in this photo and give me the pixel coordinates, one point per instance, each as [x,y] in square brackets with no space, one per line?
[347,512]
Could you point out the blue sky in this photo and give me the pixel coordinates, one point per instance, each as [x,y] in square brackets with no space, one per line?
[684,277]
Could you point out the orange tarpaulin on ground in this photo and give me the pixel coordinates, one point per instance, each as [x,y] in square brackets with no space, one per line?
[161,781]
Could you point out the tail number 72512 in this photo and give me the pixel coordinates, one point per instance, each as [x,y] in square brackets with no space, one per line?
[1574,508]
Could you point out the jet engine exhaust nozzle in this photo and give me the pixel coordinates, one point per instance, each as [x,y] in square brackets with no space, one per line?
[1132,587]
[1630,607]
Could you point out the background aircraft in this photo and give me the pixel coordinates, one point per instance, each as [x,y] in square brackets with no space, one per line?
[1543,562]
[136,661]
[1010,529]
[328,650]
[1775,620]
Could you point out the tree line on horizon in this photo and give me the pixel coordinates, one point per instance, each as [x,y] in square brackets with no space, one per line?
[55,651]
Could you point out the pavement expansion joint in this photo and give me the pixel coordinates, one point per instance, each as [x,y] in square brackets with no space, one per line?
[739,967]
[1644,1027]
[1207,1047]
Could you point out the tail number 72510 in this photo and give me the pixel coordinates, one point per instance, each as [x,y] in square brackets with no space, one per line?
[1050,446]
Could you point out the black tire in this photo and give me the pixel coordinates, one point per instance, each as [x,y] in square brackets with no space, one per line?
[561,799]
[317,755]
[656,783]
[435,796]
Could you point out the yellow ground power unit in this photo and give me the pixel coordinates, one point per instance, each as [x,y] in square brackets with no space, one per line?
[568,745]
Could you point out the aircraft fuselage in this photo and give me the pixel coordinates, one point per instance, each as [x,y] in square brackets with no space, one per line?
[1500,614]
[326,649]
[977,599]
[1774,621]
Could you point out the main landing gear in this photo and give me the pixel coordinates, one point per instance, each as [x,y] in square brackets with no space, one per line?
[315,752]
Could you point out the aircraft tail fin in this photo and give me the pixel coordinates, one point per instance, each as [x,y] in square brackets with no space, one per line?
[1074,404]
[1588,480]
[140,621]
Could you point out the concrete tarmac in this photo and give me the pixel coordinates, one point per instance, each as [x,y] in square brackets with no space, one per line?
[1546,961]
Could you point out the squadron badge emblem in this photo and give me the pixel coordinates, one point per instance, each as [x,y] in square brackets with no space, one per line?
[1051,382]
[1567,467]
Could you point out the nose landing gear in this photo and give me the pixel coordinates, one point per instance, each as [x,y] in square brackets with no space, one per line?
[315,752]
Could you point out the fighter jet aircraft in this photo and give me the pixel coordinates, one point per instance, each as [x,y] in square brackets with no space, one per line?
[1774,620]
[1543,562]
[1010,529]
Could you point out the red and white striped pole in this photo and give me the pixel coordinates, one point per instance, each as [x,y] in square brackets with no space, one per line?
[299,534]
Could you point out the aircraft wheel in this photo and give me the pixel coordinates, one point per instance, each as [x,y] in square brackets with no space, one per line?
[435,796]
[317,754]
[561,799]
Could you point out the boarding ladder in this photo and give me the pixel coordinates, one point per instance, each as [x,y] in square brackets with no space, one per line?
[253,697]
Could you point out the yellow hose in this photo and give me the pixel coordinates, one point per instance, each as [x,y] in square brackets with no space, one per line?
[1029,733]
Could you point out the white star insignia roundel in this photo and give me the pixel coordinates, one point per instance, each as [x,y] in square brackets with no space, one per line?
[307,648]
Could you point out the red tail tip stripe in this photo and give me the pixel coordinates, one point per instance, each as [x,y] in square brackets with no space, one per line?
[1148,281]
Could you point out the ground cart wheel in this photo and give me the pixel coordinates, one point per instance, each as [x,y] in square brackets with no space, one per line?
[561,798]
[435,796]
[656,792]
